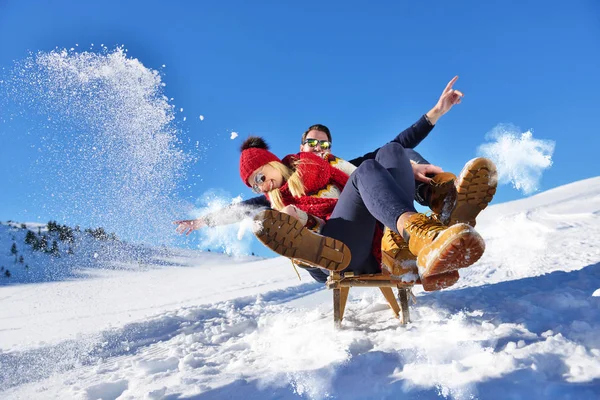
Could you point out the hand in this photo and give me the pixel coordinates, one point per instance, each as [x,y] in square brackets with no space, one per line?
[188,226]
[420,171]
[449,98]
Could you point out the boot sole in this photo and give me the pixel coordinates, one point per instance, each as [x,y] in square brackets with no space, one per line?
[475,188]
[457,247]
[285,235]
[434,283]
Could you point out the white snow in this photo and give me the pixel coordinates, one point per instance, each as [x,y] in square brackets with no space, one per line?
[201,118]
[234,135]
[149,323]
[521,159]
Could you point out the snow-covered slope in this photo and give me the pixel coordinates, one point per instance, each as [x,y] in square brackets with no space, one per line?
[173,324]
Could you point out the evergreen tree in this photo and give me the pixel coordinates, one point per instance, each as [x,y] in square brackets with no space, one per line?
[21,260]
[52,226]
[65,234]
[7,273]
[30,237]
[44,243]
[39,230]
[54,250]
[36,244]
[23,226]
[13,249]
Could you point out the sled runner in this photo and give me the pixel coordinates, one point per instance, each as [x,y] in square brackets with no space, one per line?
[341,284]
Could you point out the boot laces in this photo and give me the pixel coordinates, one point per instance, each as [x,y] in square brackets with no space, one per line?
[392,239]
[424,225]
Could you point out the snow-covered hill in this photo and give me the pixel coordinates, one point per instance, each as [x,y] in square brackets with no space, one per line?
[130,322]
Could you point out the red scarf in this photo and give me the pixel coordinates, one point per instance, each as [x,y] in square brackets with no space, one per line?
[316,174]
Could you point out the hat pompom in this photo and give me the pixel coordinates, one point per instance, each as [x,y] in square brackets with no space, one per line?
[254,142]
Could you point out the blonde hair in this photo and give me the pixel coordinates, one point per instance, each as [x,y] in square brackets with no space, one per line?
[293,179]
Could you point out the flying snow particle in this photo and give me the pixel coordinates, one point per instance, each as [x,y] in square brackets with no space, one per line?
[521,159]
[202,118]
[181,109]
[234,135]
[184,118]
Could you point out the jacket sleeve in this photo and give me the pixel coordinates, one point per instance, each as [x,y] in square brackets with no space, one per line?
[236,212]
[408,138]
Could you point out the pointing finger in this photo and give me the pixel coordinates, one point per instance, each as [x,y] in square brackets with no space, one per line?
[450,84]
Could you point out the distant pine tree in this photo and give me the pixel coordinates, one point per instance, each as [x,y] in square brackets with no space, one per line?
[52,226]
[43,243]
[13,249]
[55,250]
[65,234]
[30,237]
[36,243]
[23,226]
[21,260]
[7,273]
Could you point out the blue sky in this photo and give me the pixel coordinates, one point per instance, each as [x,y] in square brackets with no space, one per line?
[366,70]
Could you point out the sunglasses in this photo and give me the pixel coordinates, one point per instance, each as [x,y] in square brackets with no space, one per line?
[259,179]
[325,144]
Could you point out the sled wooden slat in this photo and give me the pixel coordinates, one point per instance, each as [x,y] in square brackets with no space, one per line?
[341,284]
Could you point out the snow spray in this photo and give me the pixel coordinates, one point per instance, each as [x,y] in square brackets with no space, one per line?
[521,159]
[108,151]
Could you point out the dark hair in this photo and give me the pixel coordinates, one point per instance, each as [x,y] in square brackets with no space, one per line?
[317,127]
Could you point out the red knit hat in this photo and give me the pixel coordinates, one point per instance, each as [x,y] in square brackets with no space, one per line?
[255,154]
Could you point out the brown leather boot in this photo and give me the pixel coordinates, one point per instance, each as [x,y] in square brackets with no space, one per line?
[442,198]
[475,188]
[395,256]
[287,236]
[440,248]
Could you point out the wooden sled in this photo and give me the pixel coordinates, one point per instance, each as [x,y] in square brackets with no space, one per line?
[341,284]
